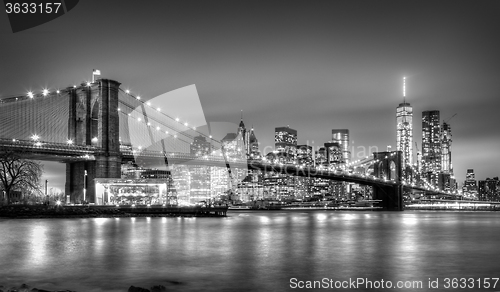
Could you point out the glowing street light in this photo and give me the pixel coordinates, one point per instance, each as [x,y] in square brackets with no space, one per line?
[35,137]
[70,142]
[30,94]
[45,92]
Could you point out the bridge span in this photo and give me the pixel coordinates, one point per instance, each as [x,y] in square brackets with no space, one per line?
[88,127]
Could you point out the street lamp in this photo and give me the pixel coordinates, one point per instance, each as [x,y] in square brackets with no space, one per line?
[84,185]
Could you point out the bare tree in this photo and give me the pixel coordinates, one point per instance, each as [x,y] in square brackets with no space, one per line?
[19,174]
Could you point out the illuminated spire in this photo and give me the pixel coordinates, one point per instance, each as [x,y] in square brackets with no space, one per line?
[404,89]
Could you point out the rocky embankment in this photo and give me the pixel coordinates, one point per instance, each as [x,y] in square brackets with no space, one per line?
[42,211]
[26,288]
[58,212]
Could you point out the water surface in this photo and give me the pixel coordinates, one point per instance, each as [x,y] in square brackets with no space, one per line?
[249,250]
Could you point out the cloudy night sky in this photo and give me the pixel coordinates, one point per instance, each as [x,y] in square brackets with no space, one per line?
[313,65]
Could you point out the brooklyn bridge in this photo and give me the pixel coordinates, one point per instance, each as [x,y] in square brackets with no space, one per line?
[95,128]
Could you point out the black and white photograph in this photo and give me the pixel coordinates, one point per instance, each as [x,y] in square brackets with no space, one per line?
[323,145]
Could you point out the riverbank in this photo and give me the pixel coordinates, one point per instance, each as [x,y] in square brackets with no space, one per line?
[41,211]
[26,288]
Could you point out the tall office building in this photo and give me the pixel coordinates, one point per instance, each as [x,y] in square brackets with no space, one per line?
[404,126]
[470,184]
[341,137]
[404,135]
[446,165]
[253,146]
[245,136]
[431,146]
[200,146]
[305,155]
[199,175]
[489,189]
[285,141]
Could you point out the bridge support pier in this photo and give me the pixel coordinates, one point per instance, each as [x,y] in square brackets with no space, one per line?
[391,196]
[93,121]
[79,181]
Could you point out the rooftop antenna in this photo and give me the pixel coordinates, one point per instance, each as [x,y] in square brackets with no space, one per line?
[404,89]
[242,115]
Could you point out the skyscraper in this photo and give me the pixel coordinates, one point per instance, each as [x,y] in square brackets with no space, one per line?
[470,184]
[341,137]
[199,175]
[431,146]
[245,137]
[200,146]
[285,141]
[446,165]
[404,127]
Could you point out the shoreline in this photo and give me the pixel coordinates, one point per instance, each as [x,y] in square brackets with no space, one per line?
[40,211]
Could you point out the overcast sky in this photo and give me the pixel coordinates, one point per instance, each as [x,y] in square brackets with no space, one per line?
[313,65]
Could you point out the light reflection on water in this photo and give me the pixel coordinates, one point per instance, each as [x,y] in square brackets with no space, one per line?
[248,251]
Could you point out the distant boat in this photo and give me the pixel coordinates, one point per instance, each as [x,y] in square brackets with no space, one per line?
[239,208]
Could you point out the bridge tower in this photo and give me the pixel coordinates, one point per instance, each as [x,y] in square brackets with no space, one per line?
[93,121]
[388,165]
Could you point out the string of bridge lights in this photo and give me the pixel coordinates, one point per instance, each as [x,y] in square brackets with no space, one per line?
[45,92]
[158,109]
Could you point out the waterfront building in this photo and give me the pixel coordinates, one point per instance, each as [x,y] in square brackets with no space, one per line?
[470,185]
[489,190]
[431,146]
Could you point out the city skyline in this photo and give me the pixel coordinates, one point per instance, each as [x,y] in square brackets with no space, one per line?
[312,73]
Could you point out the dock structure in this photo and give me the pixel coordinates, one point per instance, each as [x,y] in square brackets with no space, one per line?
[196,211]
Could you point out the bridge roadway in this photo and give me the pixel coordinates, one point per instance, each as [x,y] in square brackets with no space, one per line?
[64,152]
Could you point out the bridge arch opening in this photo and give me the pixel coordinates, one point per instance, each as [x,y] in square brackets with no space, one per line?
[392,169]
[94,121]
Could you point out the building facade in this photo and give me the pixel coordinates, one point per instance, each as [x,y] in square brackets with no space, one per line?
[446,165]
[341,137]
[404,132]
[285,141]
[431,146]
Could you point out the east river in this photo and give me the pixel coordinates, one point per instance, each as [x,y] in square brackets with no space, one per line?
[255,251]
